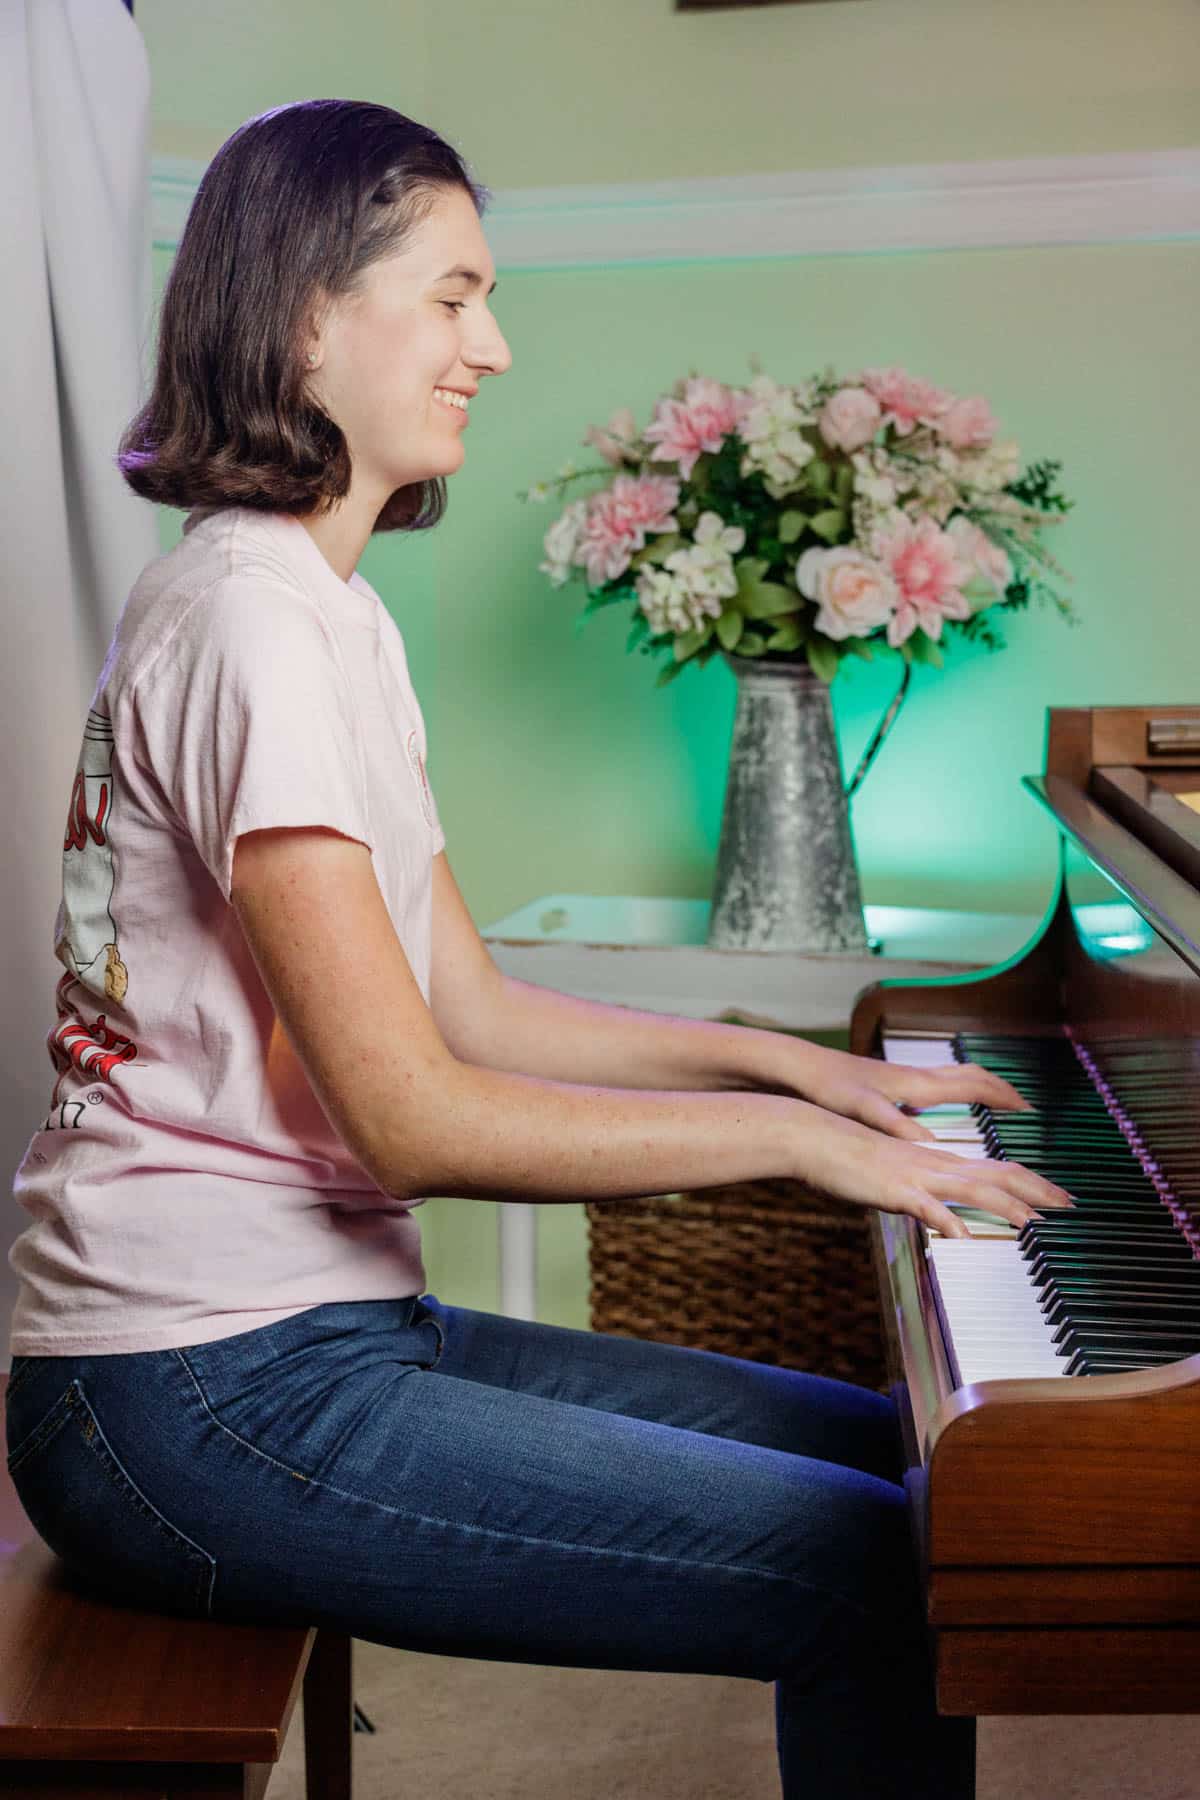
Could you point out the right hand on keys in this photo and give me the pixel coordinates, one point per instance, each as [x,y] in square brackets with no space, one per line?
[851,1162]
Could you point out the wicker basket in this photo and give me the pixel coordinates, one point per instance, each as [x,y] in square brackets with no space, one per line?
[763,1269]
[767,1270]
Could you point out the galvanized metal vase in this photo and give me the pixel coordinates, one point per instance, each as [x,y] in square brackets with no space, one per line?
[786,874]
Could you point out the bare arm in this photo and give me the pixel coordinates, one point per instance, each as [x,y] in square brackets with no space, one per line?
[499,1022]
[420,1121]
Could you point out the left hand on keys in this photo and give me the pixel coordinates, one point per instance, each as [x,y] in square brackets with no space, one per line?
[871,1091]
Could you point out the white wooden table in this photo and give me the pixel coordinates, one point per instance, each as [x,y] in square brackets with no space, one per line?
[651,954]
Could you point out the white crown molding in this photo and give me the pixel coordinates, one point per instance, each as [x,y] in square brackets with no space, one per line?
[1136,196]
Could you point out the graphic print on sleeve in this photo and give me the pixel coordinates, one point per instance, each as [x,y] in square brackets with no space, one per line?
[86,940]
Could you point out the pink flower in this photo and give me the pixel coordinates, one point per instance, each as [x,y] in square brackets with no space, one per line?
[968,424]
[702,420]
[849,419]
[988,561]
[616,442]
[618,519]
[906,399]
[924,563]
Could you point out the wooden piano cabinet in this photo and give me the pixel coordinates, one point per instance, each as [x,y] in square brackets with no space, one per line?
[1094,1471]
[1086,1670]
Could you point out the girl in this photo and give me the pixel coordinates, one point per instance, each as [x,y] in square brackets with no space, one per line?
[279,1032]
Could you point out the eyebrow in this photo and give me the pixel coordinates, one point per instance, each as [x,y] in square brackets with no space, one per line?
[472,277]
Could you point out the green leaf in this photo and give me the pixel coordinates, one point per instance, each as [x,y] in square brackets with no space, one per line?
[858,647]
[788,634]
[924,650]
[668,673]
[752,643]
[688,642]
[756,598]
[791,525]
[818,476]
[828,524]
[730,626]
[657,551]
[823,659]
[637,631]
[845,484]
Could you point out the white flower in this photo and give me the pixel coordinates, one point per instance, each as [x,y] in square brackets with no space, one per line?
[673,604]
[769,425]
[854,594]
[936,495]
[873,479]
[704,568]
[561,543]
[990,469]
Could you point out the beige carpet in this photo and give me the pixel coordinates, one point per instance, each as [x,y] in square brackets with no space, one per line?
[504,1731]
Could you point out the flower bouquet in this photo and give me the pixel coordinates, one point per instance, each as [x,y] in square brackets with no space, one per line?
[803,524]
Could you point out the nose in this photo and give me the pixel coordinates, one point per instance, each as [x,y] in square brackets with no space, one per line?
[493,356]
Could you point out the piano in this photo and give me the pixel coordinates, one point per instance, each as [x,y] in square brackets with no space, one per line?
[1048,1380]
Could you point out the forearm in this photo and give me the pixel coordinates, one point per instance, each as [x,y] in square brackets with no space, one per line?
[491,1135]
[539,1031]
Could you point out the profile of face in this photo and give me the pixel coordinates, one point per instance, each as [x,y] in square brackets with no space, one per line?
[420,323]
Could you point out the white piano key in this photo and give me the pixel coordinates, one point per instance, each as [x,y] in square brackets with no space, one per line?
[918,1052]
[996,1325]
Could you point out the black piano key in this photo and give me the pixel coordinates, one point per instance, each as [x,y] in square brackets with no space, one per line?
[1067,1333]
[1073,1227]
[1104,1256]
[1149,1291]
[1115,1275]
[1111,1244]
[1104,1362]
[1082,1222]
[1130,1343]
[1065,1310]
[1133,1272]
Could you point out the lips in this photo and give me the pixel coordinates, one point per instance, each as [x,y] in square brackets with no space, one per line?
[458,412]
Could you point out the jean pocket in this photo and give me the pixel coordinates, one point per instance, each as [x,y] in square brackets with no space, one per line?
[82,1502]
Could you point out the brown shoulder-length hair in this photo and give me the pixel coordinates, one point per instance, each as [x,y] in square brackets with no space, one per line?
[290,213]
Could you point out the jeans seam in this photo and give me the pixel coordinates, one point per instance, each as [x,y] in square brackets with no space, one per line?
[518,1537]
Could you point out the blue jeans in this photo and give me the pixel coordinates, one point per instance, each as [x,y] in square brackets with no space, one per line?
[455,1482]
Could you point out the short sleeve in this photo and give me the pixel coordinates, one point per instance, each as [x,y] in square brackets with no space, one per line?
[247,721]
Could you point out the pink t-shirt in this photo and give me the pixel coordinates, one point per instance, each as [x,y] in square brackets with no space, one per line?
[185,1184]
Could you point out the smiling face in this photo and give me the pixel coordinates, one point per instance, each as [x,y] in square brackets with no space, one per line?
[413,328]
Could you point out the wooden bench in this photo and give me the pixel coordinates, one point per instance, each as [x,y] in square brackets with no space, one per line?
[103,1700]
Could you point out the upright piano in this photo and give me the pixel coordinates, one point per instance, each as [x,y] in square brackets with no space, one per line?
[1048,1380]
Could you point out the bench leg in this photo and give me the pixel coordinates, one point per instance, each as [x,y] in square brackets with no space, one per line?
[328,1717]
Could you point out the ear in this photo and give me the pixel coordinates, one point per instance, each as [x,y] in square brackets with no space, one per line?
[313,334]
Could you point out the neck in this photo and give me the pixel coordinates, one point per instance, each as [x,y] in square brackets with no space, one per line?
[341,535]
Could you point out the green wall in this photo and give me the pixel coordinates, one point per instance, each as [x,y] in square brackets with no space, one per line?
[557,765]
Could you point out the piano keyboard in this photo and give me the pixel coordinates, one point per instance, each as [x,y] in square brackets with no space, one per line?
[1112,1284]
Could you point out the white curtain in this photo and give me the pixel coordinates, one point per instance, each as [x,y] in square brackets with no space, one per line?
[75,349]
